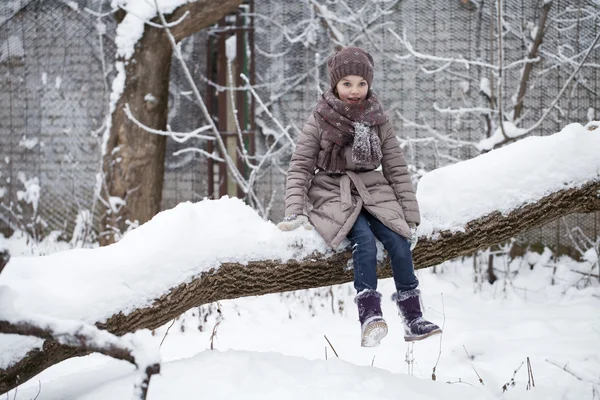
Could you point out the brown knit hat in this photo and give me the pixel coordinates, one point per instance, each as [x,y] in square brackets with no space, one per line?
[350,61]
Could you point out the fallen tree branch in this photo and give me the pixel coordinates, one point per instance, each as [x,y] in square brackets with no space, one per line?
[83,340]
[233,280]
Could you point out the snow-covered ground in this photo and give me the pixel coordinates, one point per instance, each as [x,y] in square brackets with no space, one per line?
[273,347]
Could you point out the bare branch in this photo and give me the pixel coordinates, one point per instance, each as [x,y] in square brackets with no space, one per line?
[543,117]
[569,371]
[179,137]
[500,67]
[541,30]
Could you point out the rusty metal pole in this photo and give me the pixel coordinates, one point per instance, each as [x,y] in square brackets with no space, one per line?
[210,146]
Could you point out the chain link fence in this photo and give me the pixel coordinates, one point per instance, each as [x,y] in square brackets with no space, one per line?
[57,64]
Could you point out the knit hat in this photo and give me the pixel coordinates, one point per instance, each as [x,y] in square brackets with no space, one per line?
[350,61]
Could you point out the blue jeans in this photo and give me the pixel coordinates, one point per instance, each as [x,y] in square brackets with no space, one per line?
[364,254]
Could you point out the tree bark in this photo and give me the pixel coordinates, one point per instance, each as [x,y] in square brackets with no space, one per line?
[233,280]
[133,165]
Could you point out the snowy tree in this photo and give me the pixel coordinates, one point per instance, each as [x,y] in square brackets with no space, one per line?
[131,185]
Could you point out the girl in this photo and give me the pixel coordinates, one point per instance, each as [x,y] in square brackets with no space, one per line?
[333,181]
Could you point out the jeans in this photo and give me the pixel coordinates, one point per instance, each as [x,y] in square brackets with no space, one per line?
[364,254]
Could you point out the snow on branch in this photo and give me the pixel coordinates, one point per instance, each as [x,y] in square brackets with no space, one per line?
[81,337]
[179,137]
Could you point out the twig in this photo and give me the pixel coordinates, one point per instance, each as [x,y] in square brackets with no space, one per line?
[433,376]
[530,381]
[373,361]
[409,358]
[213,335]
[39,390]
[179,137]
[539,36]
[512,380]
[500,68]
[472,366]
[459,381]
[588,274]
[166,333]
[332,348]
[566,369]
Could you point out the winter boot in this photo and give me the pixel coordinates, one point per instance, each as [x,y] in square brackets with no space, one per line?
[415,326]
[372,325]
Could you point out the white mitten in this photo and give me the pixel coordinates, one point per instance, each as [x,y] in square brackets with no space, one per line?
[413,236]
[294,221]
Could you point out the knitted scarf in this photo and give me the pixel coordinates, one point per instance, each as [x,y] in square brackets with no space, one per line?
[342,124]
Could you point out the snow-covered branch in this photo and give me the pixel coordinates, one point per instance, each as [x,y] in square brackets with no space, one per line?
[179,137]
[80,338]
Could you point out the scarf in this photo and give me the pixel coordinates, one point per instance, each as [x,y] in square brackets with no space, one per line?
[342,124]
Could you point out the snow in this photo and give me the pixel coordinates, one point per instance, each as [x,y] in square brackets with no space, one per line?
[231,48]
[273,346]
[135,271]
[131,29]
[484,86]
[149,97]
[507,178]
[117,88]
[288,378]
[28,143]
[497,137]
[31,194]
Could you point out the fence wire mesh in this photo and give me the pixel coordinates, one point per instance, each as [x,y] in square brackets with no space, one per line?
[57,64]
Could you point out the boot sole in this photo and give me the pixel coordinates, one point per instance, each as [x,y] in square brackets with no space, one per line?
[373,334]
[421,337]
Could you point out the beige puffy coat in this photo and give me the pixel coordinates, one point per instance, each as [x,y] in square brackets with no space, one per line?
[334,201]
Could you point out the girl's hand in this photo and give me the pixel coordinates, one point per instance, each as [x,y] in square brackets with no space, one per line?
[413,236]
[294,221]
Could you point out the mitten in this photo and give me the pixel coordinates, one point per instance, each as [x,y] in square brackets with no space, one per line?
[294,221]
[413,236]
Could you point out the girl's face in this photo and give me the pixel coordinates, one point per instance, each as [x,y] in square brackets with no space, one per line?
[352,89]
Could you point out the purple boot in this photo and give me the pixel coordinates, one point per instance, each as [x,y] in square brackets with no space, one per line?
[372,325]
[415,326]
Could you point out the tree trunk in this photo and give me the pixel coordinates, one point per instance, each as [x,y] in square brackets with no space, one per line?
[233,280]
[134,159]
